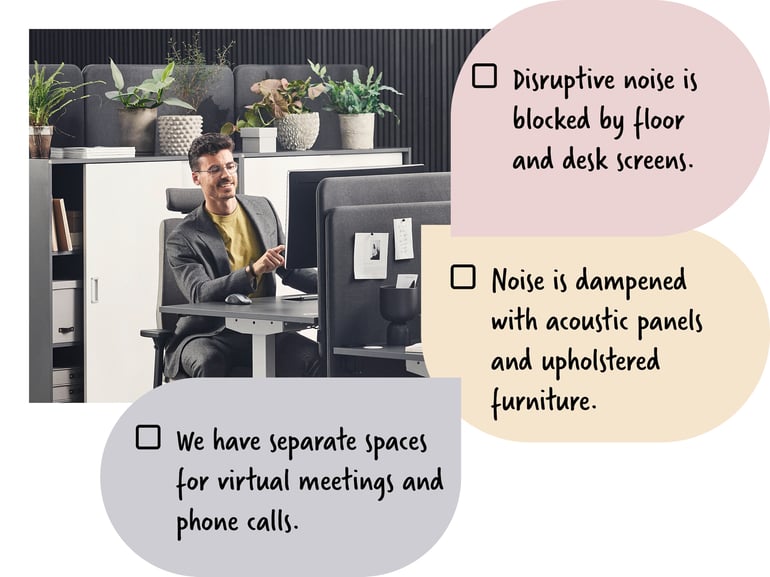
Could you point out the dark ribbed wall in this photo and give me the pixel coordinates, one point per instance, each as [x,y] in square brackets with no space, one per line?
[423,64]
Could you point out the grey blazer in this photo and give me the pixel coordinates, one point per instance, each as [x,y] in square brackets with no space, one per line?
[197,256]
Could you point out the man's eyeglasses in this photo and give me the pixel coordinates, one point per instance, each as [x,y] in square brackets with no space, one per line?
[217,170]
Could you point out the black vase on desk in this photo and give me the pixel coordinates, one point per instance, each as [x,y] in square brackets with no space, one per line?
[399,306]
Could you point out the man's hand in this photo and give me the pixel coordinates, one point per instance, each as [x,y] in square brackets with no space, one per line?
[269,261]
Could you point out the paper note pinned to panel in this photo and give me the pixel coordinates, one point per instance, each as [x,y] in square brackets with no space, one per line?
[403,240]
[370,255]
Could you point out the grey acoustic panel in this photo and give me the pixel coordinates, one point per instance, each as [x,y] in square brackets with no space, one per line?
[378,189]
[367,190]
[353,316]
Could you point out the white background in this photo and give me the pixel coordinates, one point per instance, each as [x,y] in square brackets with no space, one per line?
[690,508]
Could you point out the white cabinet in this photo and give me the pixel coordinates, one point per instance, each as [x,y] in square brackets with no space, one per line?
[124,204]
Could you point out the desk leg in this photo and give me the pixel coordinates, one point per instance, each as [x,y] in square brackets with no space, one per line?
[262,343]
[263,355]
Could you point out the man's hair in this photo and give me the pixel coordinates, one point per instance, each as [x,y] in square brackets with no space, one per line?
[209,143]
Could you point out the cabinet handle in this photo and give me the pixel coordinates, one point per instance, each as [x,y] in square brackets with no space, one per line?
[65,330]
[94,289]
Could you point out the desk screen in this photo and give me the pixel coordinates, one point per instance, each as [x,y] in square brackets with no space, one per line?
[301,230]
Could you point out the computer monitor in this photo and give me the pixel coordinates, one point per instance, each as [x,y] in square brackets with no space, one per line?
[301,235]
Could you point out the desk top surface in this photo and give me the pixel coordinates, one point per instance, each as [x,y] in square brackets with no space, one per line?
[379,352]
[261,309]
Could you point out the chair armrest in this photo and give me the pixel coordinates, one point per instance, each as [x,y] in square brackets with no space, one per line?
[161,335]
[159,339]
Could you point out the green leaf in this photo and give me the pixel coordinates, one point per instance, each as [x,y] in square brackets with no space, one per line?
[49,95]
[166,72]
[173,101]
[149,94]
[355,97]
[117,76]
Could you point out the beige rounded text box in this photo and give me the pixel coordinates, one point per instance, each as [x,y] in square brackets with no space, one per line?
[592,339]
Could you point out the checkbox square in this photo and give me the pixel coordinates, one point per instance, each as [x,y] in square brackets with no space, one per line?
[484,75]
[148,437]
[463,276]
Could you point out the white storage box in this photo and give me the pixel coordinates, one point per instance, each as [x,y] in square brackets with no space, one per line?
[67,385]
[258,139]
[67,311]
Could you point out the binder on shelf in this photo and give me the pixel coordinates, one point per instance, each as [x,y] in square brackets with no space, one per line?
[63,236]
[54,242]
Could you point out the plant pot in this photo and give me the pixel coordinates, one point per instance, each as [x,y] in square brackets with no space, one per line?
[137,128]
[176,133]
[258,139]
[40,141]
[357,131]
[298,131]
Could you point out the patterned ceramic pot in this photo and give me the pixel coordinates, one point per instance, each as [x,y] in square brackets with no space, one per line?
[298,131]
[176,133]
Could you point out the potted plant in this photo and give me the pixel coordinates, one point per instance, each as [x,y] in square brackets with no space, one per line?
[356,102]
[297,125]
[193,80]
[47,96]
[282,103]
[255,127]
[138,116]
[192,72]
[257,134]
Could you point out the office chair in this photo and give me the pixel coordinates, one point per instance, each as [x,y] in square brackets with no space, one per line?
[182,200]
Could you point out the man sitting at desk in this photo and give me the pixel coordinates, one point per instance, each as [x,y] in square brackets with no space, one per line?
[229,244]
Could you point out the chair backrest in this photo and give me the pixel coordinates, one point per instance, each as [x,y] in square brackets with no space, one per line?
[182,200]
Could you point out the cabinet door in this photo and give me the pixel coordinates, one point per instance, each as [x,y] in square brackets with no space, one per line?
[123,205]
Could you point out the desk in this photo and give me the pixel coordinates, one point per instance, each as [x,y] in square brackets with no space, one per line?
[262,319]
[415,363]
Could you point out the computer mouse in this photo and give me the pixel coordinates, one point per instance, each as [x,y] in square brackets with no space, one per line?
[237,299]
